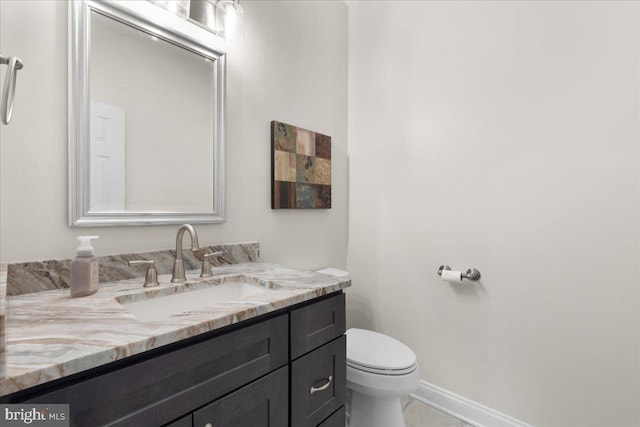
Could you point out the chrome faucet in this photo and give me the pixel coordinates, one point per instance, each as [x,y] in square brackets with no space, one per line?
[178,267]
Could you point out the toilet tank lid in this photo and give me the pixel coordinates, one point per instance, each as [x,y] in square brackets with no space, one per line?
[376,350]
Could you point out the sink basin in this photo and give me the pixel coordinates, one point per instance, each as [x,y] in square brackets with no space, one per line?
[161,307]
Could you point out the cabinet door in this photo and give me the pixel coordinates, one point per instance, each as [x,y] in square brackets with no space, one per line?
[183,422]
[263,403]
[160,389]
[316,324]
[318,384]
[338,419]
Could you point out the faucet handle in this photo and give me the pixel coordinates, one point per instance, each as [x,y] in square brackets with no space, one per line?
[151,277]
[206,264]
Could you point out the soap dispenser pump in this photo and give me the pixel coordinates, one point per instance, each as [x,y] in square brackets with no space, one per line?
[84,269]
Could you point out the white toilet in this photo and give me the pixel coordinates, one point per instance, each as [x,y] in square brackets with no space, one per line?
[380,370]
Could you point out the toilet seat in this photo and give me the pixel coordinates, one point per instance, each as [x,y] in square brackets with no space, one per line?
[377,353]
[379,371]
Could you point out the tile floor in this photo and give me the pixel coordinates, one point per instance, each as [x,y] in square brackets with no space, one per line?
[418,414]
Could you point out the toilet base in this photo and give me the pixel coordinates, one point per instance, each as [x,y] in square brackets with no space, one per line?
[370,411]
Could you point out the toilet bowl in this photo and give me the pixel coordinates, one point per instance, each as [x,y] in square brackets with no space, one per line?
[380,370]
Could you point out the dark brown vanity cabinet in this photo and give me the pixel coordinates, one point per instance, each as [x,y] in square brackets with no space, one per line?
[261,403]
[318,365]
[318,384]
[286,368]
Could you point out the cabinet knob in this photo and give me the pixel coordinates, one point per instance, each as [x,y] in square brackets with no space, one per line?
[208,425]
[323,387]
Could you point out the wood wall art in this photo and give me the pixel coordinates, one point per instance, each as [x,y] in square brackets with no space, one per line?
[300,168]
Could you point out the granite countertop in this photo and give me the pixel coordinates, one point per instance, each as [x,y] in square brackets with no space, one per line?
[3,293]
[51,335]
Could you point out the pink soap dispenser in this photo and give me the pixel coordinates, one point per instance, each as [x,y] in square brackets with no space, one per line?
[84,269]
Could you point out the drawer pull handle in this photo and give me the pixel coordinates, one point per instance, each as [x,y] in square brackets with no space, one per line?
[322,388]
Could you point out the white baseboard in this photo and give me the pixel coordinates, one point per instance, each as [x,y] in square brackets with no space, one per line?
[464,409]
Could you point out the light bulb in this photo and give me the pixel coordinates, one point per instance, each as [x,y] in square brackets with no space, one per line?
[230,20]
[177,7]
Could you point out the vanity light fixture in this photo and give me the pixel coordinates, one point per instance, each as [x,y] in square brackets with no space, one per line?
[222,17]
[230,19]
[177,7]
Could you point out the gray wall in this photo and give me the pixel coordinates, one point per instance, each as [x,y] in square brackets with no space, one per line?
[502,136]
[291,67]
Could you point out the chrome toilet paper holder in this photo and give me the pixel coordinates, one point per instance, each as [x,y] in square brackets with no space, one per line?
[471,273]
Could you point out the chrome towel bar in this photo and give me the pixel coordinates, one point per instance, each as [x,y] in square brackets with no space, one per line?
[9,88]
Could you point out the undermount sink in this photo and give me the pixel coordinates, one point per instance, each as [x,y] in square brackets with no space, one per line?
[161,307]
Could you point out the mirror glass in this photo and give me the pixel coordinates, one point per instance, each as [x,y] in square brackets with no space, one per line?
[148,147]
[152,109]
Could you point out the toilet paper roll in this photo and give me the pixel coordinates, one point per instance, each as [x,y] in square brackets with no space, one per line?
[452,275]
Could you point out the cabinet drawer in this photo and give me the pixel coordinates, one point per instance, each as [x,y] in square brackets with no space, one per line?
[263,403]
[150,392]
[318,384]
[182,422]
[338,419]
[316,324]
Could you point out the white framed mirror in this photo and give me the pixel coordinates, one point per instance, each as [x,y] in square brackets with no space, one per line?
[146,117]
